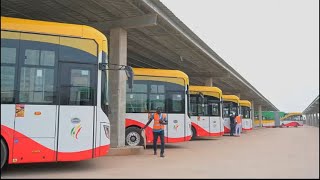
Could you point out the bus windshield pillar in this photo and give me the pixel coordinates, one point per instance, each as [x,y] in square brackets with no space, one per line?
[117,86]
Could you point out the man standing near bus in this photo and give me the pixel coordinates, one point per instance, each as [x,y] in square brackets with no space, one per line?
[160,119]
[238,126]
[232,124]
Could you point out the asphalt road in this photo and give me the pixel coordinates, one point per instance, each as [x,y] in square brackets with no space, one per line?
[261,153]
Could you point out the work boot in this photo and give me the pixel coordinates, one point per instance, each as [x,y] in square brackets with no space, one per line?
[161,155]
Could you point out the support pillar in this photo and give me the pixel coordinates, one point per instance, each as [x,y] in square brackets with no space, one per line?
[260,115]
[252,114]
[208,82]
[117,87]
[312,119]
[317,115]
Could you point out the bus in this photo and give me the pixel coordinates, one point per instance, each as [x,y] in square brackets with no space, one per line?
[153,88]
[293,119]
[205,111]
[245,109]
[230,104]
[53,94]
[268,118]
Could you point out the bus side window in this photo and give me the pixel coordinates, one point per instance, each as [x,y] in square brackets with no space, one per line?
[137,98]
[37,74]
[9,54]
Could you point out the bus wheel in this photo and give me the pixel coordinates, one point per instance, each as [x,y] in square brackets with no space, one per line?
[133,137]
[4,153]
[193,133]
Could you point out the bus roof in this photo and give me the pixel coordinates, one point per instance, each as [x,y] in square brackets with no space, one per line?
[52,28]
[294,113]
[207,89]
[161,73]
[291,114]
[245,103]
[232,98]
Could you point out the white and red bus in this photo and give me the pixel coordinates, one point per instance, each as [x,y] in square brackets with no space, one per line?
[245,109]
[52,92]
[205,111]
[230,104]
[153,88]
[293,119]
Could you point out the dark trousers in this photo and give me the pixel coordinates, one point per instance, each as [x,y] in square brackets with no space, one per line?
[232,129]
[155,139]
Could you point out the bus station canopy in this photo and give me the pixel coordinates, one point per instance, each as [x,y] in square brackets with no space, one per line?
[313,107]
[156,38]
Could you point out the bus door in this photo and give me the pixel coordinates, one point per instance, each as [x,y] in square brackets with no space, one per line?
[76,111]
[176,118]
[203,119]
[214,124]
[36,112]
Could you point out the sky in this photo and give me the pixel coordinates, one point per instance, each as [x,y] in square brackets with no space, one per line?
[273,44]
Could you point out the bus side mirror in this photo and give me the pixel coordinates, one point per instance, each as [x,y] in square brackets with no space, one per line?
[130,75]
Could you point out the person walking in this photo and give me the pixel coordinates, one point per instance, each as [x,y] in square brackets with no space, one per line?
[159,120]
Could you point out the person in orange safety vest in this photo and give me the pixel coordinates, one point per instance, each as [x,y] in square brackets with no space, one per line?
[238,126]
[159,120]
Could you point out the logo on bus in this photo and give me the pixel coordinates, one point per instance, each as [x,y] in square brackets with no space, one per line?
[176,126]
[75,131]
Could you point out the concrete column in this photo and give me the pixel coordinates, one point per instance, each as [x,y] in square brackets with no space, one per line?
[208,82]
[252,114]
[260,115]
[312,119]
[307,119]
[117,87]
[317,124]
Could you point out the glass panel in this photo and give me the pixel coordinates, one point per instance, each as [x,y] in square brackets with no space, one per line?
[193,105]
[137,103]
[140,88]
[80,77]
[177,103]
[80,96]
[157,89]
[215,110]
[32,57]
[157,100]
[47,58]
[80,92]
[36,85]
[8,55]
[7,84]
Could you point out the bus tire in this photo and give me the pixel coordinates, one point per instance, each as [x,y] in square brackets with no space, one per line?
[4,153]
[194,133]
[133,137]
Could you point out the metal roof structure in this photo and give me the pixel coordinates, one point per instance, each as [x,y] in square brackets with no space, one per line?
[156,38]
[313,107]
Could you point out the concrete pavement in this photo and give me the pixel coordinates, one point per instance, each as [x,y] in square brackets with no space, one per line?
[261,153]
